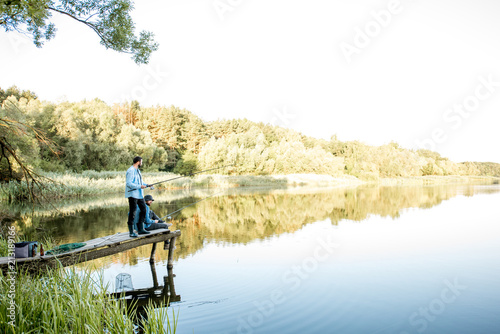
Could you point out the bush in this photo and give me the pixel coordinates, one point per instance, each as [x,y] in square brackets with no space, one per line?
[52,166]
[187,165]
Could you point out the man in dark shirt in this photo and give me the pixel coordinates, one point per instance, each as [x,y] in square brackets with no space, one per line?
[151,221]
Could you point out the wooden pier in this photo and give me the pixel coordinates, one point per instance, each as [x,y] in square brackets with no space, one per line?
[156,296]
[94,249]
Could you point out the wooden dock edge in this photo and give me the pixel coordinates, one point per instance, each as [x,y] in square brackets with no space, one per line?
[77,256]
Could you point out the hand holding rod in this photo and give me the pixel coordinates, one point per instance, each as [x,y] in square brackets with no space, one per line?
[180,177]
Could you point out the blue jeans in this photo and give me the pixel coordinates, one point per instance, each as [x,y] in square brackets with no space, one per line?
[156,226]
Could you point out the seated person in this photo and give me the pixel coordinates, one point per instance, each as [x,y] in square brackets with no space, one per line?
[152,221]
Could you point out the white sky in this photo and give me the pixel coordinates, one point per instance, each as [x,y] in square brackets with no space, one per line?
[281,62]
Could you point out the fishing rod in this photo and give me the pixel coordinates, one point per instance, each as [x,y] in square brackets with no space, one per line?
[179,177]
[106,239]
[169,216]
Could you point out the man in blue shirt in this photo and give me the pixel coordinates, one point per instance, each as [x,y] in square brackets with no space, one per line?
[134,192]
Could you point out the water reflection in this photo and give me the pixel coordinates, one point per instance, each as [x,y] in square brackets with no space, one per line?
[139,300]
[157,295]
[239,217]
[237,250]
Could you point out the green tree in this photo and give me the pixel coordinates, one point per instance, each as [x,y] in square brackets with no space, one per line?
[129,111]
[18,141]
[14,91]
[187,165]
[109,19]
[488,168]
[19,147]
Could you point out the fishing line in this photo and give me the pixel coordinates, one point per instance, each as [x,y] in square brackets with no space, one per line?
[179,177]
[169,216]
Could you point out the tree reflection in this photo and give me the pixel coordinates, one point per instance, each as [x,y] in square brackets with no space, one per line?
[244,216]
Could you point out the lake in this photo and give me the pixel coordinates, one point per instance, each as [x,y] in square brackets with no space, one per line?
[369,259]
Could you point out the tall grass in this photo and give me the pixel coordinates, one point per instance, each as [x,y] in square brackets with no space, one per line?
[61,301]
[74,184]
[46,241]
[95,183]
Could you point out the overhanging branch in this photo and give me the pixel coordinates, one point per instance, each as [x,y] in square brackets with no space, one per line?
[91,25]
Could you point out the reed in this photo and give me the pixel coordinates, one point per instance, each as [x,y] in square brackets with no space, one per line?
[66,185]
[70,301]
[95,183]
[46,241]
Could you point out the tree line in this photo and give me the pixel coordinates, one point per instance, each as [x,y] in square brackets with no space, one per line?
[92,135]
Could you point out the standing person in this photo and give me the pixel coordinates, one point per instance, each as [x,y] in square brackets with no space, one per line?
[152,221]
[134,192]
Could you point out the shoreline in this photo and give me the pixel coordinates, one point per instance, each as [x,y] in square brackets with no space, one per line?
[73,185]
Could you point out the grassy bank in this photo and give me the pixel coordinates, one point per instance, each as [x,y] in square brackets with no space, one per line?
[96,183]
[70,302]
[437,180]
[67,185]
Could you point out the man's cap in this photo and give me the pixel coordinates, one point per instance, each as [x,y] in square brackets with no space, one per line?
[148,198]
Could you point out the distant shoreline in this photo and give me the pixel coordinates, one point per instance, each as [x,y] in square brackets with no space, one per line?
[431,180]
[96,183]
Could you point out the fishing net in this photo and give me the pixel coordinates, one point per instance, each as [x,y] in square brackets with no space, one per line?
[124,283]
[65,248]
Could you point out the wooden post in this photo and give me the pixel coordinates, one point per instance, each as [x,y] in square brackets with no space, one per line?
[153,251]
[153,273]
[170,263]
[170,282]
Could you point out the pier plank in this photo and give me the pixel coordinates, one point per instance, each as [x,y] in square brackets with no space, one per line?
[94,249]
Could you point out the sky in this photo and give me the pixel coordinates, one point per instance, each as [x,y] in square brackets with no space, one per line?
[422,73]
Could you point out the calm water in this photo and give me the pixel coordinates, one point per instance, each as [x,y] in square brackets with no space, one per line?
[362,260]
